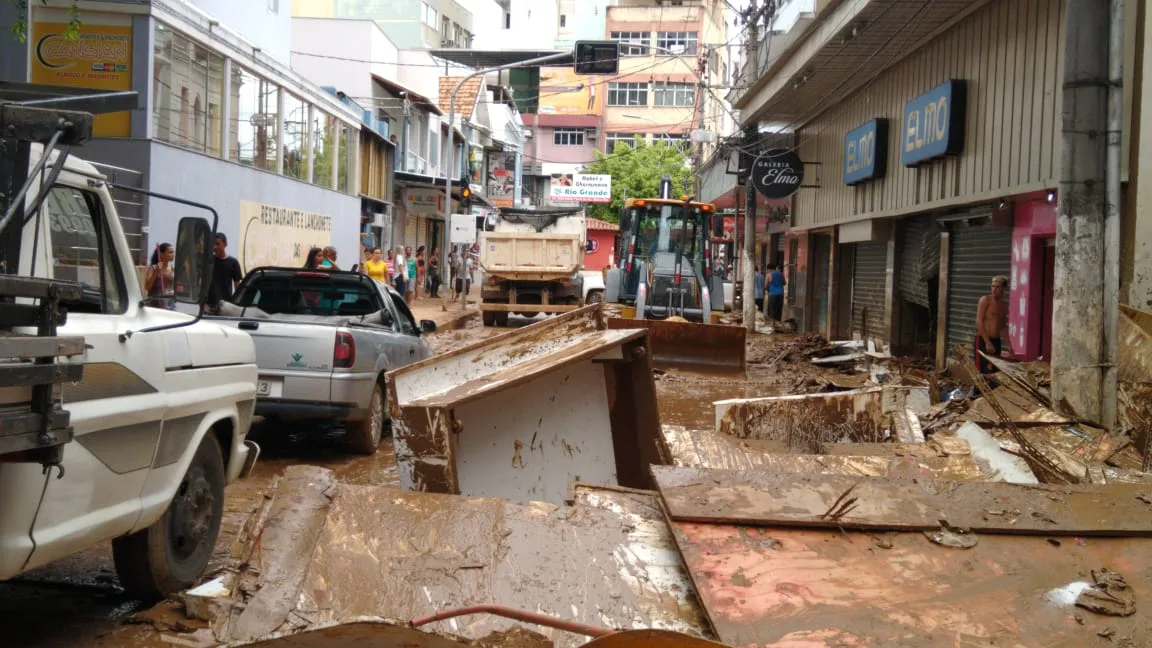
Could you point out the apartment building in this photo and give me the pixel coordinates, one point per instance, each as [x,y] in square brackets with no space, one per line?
[411,24]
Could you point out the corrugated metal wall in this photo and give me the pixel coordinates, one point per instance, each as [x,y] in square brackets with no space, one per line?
[918,252]
[1011,56]
[868,279]
[977,255]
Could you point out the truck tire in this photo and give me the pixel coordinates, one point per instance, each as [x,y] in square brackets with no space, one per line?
[173,553]
[489,318]
[501,318]
[364,436]
[594,297]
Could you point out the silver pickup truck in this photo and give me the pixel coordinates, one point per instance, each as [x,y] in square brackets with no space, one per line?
[324,341]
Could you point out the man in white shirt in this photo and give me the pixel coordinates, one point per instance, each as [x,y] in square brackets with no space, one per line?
[402,275]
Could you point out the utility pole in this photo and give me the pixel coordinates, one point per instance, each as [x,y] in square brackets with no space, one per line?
[748,144]
[1086,288]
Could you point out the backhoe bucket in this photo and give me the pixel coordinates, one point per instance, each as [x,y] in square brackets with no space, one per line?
[704,348]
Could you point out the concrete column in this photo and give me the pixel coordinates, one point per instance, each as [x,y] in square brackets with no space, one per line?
[1079,353]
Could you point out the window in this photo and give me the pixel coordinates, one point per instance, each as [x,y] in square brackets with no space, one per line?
[627,94]
[636,38]
[255,120]
[434,149]
[673,94]
[82,250]
[429,15]
[407,322]
[309,296]
[324,145]
[568,137]
[188,91]
[346,158]
[296,143]
[445,28]
[563,20]
[677,42]
[613,139]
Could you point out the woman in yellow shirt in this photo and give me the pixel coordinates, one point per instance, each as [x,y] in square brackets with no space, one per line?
[376,267]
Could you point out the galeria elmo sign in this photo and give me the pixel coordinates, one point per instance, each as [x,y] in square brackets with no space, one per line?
[777,173]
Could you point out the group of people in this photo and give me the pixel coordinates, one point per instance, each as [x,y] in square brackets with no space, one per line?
[409,273]
[773,284]
[160,277]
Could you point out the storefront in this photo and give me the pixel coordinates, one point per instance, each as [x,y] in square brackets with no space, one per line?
[936,164]
[419,216]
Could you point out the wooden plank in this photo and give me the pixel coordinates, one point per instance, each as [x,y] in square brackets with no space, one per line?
[27,347]
[24,374]
[762,498]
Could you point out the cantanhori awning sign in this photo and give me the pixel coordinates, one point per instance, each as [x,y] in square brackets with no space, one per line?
[581,187]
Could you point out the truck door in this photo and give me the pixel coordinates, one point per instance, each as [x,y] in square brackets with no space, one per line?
[118,407]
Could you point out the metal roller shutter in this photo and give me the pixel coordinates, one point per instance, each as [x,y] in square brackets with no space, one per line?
[918,241]
[869,275]
[976,255]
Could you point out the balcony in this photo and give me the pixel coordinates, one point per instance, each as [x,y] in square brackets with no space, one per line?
[415,164]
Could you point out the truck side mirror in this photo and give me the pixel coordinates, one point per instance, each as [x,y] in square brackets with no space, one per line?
[193,269]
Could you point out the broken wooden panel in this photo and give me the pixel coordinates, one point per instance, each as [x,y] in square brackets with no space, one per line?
[1134,363]
[807,420]
[762,498]
[783,588]
[608,561]
[1018,403]
[711,450]
[526,414]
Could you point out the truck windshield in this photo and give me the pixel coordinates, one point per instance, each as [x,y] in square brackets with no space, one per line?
[662,228]
[303,295]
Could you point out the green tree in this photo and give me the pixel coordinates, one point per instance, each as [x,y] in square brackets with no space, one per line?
[19,28]
[636,170]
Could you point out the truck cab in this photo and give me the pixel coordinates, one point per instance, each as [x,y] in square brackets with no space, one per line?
[156,425]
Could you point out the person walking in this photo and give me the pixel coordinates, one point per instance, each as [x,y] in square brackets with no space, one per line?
[434,274]
[401,282]
[410,276]
[991,324]
[312,261]
[758,293]
[454,270]
[328,259]
[160,280]
[776,293]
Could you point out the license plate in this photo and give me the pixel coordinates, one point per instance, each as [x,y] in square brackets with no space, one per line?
[269,387]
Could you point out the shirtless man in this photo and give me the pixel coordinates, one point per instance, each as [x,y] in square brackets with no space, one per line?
[991,323]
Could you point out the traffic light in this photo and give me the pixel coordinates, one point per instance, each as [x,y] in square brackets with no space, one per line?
[597,57]
[465,200]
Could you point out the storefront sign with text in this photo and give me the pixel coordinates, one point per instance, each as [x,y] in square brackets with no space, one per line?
[777,173]
[271,235]
[934,124]
[580,187]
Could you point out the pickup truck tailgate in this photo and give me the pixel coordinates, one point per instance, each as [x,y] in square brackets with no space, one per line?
[294,362]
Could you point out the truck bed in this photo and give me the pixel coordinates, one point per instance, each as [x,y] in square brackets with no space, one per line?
[530,256]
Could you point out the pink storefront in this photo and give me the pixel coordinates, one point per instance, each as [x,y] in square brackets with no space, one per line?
[1033,265]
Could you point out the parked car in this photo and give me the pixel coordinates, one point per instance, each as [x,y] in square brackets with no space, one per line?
[324,341]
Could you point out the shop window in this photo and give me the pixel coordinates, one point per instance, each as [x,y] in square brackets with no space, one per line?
[346,159]
[324,147]
[255,120]
[188,90]
[296,142]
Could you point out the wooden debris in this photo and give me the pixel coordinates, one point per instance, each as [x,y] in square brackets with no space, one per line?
[1111,596]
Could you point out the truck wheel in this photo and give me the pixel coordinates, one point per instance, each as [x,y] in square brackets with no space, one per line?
[173,553]
[594,297]
[364,436]
[501,318]
[489,318]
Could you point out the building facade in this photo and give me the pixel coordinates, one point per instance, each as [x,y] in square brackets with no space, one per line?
[280,154]
[937,160]
[410,24]
[671,53]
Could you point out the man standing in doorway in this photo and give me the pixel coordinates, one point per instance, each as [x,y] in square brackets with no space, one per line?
[991,323]
[776,293]
[226,274]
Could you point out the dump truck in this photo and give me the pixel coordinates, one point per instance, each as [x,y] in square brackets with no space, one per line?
[664,282]
[531,263]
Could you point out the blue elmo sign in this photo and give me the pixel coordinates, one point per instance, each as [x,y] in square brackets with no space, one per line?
[866,152]
[934,124]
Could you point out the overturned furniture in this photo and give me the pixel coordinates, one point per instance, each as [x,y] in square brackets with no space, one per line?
[526,414]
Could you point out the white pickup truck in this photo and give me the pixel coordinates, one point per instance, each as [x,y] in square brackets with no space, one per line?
[324,340]
[138,450]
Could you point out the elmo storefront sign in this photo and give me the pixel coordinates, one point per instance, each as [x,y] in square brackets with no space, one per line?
[580,187]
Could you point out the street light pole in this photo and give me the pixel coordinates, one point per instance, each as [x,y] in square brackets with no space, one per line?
[445,271]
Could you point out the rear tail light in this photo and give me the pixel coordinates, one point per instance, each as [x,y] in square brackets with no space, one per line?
[344,353]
